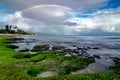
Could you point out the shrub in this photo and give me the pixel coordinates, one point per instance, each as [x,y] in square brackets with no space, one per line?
[2,31]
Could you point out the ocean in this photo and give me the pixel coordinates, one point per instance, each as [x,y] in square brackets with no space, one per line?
[108,45]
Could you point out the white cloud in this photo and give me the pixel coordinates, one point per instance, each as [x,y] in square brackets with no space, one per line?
[107,20]
[49,14]
[80,5]
[63,21]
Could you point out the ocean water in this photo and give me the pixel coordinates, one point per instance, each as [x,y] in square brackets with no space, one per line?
[109,46]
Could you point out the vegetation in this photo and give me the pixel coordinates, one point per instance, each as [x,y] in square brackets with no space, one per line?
[16,65]
[9,29]
[39,48]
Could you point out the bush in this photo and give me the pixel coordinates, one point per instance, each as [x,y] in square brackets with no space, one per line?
[3,31]
[12,31]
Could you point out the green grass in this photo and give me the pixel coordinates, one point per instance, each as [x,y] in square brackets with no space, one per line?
[19,66]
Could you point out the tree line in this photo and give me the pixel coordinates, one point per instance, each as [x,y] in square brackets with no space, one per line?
[9,29]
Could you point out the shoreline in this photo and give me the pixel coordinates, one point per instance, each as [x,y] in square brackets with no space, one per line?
[16,34]
[18,63]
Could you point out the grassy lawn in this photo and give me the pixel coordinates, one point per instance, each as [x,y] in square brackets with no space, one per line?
[19,66]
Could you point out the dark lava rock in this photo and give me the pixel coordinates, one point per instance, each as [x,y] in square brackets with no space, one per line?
[96,56]
[95,48]
[83,48]
[86,48]
[74,45]
[12,46]
[14,39]
[38,48]
[25,50]
[78,48]
[58,47]
[75,51]
[115,58]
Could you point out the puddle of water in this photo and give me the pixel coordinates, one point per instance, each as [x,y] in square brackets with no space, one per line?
[100,65]
[47,74]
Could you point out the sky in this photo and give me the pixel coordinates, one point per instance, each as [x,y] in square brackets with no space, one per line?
[62,17]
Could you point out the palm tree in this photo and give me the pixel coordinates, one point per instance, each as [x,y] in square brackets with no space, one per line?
[7,28]
[10,27]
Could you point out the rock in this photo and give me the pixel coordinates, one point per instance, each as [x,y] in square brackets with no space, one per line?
[75,51]
[74,45]
[78,48]
[96,56]
[83,48]
[25,50]
[12,46]
[73,54]
[67,54]
[14,39]
[95,48]
[58,47]
[38,48]
[115,58]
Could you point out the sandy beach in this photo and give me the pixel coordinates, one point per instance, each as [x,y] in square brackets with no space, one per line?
[11,34]
[14,34]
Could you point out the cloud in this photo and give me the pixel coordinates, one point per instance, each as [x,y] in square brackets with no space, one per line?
[105,20]
[101,21]
[80,5]
[34,25]
[59,20]
[49,14]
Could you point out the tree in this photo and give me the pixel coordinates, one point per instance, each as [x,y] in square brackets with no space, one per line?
[7,28]
[10,27]
[12,30]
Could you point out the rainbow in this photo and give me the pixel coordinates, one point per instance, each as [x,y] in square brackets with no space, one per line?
[45,5]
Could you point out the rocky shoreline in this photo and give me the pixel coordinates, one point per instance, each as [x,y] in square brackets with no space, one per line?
[67,51]
[74,51]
